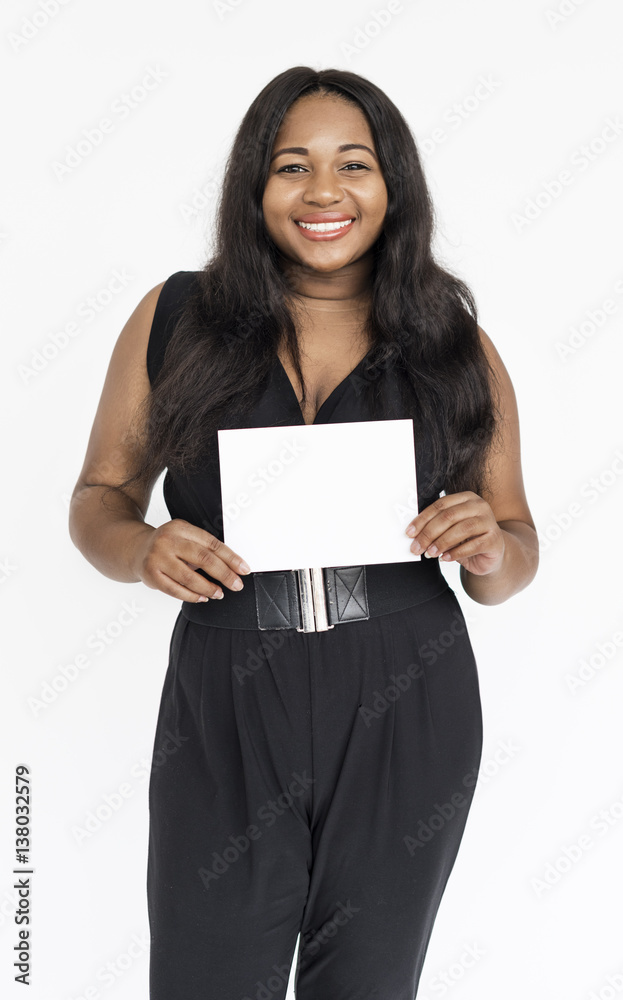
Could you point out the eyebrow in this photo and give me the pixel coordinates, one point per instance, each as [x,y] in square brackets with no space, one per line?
[302,151]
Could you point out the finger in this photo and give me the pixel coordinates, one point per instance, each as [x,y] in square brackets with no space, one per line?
[168,570]
[470,547]
[437,508]
[193,580]
[463,531]
[202,590]
[204,540]
[463,520]
[214,558]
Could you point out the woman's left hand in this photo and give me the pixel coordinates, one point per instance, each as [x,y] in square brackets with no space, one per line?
[460,527]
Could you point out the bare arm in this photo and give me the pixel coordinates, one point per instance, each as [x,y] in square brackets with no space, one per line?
[492,536]
[115,537]
[518,569]
[104,534]
[506,496]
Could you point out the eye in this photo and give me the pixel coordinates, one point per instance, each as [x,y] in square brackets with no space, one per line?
[297,166]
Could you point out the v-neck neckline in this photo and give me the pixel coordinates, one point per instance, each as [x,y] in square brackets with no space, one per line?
[333,392]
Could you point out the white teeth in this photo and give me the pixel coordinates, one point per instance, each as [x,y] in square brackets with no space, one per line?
[324,227]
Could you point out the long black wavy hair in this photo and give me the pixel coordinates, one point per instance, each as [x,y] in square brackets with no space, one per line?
[422,319]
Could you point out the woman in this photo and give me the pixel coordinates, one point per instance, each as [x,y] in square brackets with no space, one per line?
[322,776]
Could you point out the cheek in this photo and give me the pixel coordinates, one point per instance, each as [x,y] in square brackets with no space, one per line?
[375,202]
[381,208]
[269,218]
[273,210]
[382,199]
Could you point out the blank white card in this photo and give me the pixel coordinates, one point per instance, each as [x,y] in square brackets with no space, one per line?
[319,494]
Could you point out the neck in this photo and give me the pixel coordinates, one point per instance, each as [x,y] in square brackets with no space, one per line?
[344,290]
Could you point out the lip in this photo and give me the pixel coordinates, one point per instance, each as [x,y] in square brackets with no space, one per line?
[325,217]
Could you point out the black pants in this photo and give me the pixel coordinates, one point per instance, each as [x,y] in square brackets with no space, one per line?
[315,783]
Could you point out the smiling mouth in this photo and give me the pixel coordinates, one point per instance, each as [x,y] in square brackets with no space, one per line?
[324,227]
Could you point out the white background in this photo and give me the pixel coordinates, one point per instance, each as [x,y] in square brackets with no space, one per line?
[553,86]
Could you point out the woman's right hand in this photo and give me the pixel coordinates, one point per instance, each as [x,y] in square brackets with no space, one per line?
[165,558]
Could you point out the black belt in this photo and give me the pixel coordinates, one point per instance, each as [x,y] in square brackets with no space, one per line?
[316,600]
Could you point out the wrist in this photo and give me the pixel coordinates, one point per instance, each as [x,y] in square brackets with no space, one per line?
[516,570]
[135,548]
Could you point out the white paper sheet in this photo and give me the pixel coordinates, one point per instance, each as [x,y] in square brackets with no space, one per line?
[319,494]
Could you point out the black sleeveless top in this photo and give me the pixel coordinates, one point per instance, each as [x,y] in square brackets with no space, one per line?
[197,497]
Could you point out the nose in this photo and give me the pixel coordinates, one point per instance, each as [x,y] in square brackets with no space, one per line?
[322,187]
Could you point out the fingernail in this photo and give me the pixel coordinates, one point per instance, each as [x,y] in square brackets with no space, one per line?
[243,567]
[411,530]
[218,594]
[200,600]
[237,585]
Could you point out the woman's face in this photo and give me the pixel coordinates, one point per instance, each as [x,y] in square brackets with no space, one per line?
[319,183]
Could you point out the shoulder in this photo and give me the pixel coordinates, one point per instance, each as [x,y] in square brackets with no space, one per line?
[165,294]
[505,492]
[172,293]
[158,313]
[490,349]
[503,384]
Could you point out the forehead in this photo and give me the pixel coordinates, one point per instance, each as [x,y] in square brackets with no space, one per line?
[313,117]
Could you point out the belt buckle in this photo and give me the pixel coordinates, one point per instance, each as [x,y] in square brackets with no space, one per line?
[312,601]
